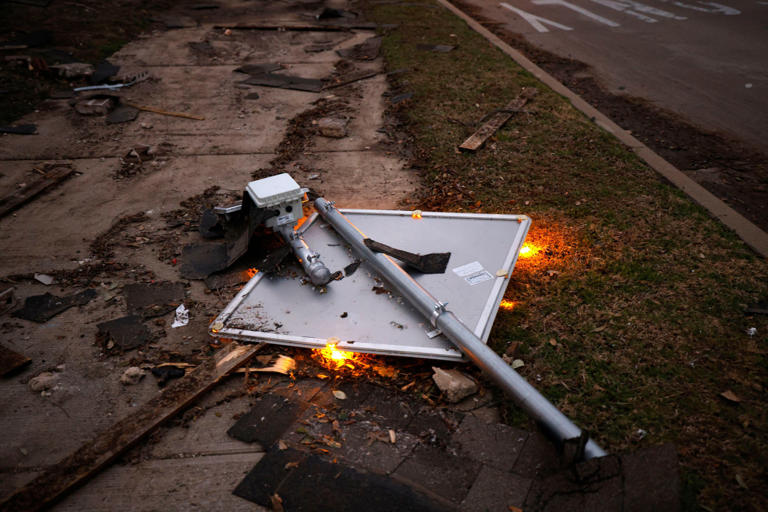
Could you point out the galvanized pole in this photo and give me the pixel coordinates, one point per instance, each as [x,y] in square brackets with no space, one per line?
[525,395]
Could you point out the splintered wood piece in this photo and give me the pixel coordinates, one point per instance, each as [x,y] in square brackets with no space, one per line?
[11,361]
[107,446]
[497,120]
[37,186]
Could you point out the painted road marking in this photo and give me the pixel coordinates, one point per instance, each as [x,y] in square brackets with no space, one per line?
[714,8]
[536,22]
[633,8]
[580,10]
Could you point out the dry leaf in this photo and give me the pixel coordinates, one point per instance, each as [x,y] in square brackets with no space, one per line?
[730,396]
[740,481]
[517,363]
[600,329]
[281,444]
[513,508]
[407,386]
[553,342]
[277,503]
[339,394]
[392,436]
[291,465]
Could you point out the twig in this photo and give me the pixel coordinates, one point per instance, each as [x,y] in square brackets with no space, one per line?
[164,112]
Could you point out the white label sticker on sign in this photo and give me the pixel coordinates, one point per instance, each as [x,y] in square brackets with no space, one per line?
[468,269]
[478,277]
[284,219]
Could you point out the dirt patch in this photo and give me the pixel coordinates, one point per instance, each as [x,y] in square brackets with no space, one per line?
[731,170]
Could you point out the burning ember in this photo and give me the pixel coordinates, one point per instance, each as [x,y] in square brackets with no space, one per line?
[332,357]
[251,272]
[507,304]
[350,363]
[530,250]
[416,214]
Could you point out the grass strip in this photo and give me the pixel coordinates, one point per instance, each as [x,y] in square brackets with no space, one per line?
[629,311]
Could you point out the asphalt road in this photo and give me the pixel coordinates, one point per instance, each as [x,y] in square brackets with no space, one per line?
[707,61]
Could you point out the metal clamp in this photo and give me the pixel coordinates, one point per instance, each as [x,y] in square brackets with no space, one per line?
[439,310]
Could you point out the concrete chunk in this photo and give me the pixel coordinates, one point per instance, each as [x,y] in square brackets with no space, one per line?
[454,384]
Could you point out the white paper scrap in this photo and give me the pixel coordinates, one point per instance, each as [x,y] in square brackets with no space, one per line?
[468,269]
[182,317]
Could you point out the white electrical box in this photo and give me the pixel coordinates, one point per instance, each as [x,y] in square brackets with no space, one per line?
[279,192]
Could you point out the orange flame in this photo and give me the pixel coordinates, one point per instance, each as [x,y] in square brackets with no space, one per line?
[507,304]
[331,355]
[416,214]
[251,272]
[530,250]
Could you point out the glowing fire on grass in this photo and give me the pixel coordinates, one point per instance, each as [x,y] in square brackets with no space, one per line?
[507,304]
[530,250]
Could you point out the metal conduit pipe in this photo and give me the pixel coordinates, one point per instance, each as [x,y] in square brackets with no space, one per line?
[525,395]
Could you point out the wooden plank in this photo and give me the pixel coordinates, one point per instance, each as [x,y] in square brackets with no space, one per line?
[17,198]
[11,361]
[497,120]
[101,451]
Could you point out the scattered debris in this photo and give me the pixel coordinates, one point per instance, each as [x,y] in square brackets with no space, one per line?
[122,114]
[497,119]
[140,77]
[181,318]
[110,444]
[433,263]
[438,48]
[286,82]
[10,361]
[97,105]
[103,72]
[367,50]
[74,69]
[199,261]
[160,111]
[52,174]
[126,333]
[340,395]
[333,127]
[41,308]
[166,373]
[454,384]
[259,69]
[43,382]
[283,364]
[7,300]
[730,396]
[351,78]
[20,129]
[132,376]
[153,299]
[329,13]
[399,98]
[352,268]
[45,279]
[517,363]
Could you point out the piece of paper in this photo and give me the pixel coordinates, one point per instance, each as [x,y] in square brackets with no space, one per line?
[468,269]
